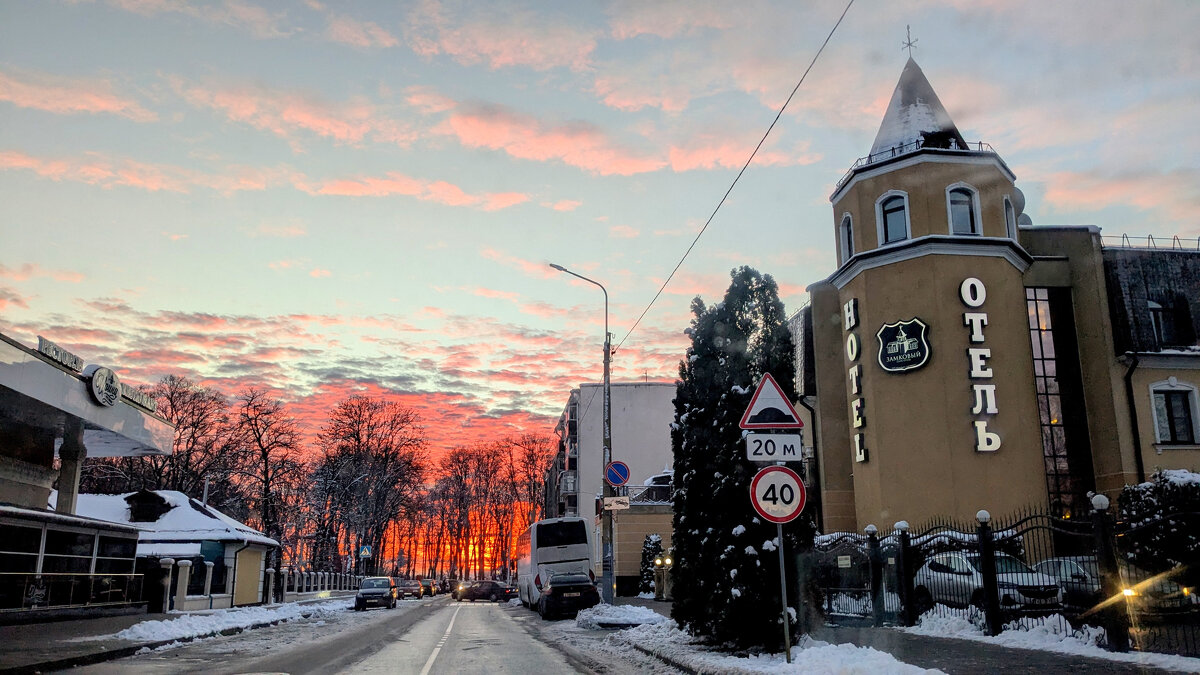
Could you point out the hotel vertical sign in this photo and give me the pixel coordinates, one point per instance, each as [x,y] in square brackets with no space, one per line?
[973,294]
[858,418]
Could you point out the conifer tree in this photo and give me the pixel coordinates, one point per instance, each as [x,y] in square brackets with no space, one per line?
[651,548]
[726,571]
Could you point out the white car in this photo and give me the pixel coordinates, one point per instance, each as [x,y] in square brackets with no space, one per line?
[956,579]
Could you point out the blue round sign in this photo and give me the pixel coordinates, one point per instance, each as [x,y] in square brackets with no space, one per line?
[617,473]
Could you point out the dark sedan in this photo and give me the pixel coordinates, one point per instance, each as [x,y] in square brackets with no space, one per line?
[375,591]
[486,590]
[409,588]
[566,594]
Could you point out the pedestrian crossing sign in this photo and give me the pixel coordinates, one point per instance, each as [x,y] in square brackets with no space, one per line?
[364,552]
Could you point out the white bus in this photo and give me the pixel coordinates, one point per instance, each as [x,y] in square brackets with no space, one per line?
[551,546]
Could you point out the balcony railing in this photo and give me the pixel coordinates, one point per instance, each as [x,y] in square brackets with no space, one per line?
[1149,242]
[24,591]
[907,148]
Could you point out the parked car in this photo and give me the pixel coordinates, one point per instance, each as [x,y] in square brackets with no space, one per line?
[375,591]
[1078,577]
[460,586]
[409,588]
[565,594]
[1144,592]
[956,579]
[429,586]
[494,591]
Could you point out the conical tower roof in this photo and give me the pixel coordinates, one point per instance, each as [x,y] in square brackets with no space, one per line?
[916,114]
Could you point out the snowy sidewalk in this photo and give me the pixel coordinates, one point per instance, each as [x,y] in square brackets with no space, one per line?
[41,647]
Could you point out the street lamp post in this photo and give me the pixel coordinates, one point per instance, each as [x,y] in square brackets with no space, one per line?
[606,536]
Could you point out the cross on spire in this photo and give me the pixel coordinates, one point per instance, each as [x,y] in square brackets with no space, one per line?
[909,43]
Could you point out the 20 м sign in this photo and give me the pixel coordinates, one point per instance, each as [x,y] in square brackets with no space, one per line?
[773,447]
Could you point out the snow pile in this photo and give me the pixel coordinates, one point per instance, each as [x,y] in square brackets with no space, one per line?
[1052,633]
[628,615]
[192,625]
[810,656]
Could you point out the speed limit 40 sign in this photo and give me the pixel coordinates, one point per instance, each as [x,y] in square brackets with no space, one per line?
[777,494]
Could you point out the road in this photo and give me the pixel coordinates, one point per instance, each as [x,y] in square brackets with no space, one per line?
[421,637]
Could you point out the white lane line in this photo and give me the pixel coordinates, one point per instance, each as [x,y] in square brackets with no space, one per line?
[438,648]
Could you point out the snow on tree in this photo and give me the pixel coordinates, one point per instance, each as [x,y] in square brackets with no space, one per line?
[651,549]
[1164,526]
[725,590]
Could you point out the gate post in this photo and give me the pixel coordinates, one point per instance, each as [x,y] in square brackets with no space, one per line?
[1116,616]
[876,565]
[987,563]
[905,591]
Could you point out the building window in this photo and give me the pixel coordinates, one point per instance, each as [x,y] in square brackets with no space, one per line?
[963,209]
[1171,322]
[1175,412]
[891,212]
[1059,481]
[1010,218]
[846,237]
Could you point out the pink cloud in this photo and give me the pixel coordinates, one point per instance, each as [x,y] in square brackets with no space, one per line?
[495,294]
[30,271]
[577,144]
[364,34]
[499,38]
[105,172]
[427,100]
[395,183]
[631,19]
[1177,192]
[64,97]
[714,151]
[563,205]
[318,273]
[254,19]
[287,113]
[10,299]
[496,201]
[284,264]
[623,232]
[539,270]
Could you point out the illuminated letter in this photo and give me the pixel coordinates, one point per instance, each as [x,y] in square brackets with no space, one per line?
[857,418]
[976,320]
[972,292]
[985,399]
[985,441]
[852,347]
[855,372]
[978,367]
[850,309]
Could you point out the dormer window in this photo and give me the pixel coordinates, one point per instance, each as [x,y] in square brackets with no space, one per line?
[891,212]
[846,237]
[962,207]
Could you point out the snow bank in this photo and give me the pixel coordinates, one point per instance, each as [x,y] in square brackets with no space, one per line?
[1053,634]
[617,614]
[192,625]
[810,656]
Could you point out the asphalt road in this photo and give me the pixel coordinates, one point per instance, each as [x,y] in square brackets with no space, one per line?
[422,637]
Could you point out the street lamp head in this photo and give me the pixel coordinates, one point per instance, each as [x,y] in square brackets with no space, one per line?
[560,268]
[658,562]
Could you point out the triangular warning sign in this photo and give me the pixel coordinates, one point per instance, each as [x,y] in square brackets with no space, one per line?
[770,409]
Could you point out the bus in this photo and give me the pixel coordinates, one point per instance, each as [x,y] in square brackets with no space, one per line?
[551,546]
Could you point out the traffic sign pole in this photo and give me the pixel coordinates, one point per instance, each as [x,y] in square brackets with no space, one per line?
[787,639]
[777,493]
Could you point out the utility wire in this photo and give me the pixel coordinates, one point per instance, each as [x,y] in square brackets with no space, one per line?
[736,178]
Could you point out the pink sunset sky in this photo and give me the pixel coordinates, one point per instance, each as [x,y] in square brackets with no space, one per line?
[328,198]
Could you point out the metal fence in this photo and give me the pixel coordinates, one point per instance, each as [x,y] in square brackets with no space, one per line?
[1085,577]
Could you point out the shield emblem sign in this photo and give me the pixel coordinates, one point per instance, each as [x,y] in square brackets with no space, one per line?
[903,345]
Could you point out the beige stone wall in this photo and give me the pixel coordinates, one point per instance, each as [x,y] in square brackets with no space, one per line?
[834,460]
[632,526]
[1157,455]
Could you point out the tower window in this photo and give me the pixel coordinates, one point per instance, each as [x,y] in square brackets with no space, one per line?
[846,237]
[963,210]
[1010,218]
[893,218]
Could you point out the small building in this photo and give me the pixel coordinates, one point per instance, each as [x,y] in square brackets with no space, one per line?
[173,525]
[52,405]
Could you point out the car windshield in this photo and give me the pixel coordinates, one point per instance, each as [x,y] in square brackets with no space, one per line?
[1005,564]
[566,579]
[376,583]
[410,584]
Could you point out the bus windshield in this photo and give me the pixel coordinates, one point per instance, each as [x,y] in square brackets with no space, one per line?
[561,534]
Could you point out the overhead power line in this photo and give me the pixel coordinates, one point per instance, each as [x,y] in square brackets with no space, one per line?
[737,177]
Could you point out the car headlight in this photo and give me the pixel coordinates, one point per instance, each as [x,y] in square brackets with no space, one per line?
[1129,592]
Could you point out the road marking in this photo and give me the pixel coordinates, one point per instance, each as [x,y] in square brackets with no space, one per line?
[438,648]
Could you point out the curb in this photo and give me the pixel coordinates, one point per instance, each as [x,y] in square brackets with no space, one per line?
[667,660]
[122,652]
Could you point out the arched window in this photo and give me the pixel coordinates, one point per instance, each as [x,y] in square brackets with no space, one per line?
[846,237]
[1175,412]
[962,208]
[892,214]
[1010,218]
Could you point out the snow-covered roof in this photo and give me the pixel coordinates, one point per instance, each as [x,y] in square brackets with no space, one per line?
[187,520]
[915,114]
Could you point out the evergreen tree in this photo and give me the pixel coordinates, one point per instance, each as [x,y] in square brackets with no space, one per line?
[726,571]
[651,549]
